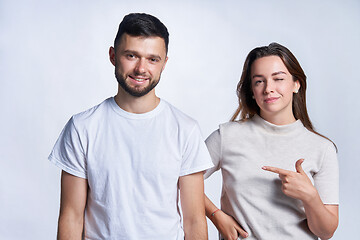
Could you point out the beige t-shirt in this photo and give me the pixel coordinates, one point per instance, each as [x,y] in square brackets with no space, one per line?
[254,196]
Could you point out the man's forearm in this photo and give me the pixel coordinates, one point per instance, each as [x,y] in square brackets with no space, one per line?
[193,206]
[70,228]
[196,230]
[72,207]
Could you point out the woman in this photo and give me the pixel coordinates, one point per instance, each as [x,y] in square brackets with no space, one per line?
[280,177]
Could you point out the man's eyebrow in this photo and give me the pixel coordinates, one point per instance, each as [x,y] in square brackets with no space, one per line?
[154,56]
[130,51]
[136,53]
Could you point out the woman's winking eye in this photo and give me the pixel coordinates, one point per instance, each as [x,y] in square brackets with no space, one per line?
[257,82]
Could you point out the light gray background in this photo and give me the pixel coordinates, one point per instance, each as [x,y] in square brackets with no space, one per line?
[54,63]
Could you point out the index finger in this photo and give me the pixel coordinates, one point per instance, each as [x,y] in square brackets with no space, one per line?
[276,170]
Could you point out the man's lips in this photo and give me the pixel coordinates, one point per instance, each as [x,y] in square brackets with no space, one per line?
[138,78]
[271,99]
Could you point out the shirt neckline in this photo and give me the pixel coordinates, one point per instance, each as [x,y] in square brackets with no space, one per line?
[130,115]
[294,128]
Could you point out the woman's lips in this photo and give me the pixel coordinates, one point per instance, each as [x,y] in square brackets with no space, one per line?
[271,99]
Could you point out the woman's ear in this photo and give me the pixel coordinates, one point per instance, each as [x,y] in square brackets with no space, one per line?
[297,86]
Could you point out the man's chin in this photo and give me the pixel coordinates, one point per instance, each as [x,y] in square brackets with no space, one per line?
[136,92]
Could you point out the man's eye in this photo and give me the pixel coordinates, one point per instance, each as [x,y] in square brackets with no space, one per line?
[154,60]
[130,56]
[278,79]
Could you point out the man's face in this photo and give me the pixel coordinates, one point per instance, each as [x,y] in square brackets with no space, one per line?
[138,63]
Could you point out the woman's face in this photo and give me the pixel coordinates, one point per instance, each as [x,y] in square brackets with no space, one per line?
[273,87]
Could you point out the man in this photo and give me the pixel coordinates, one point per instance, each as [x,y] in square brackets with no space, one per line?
[124,161]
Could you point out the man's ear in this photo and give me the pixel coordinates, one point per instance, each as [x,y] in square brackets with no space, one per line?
[112,55]
[165,63]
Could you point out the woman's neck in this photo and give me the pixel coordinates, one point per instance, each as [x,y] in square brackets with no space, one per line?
[278,118]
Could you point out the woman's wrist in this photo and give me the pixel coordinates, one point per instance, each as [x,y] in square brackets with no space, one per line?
[213,213]
[311,197]
[214,217]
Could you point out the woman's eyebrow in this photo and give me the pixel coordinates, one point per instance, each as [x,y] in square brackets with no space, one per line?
[273,74]
[279,72]
[257,75]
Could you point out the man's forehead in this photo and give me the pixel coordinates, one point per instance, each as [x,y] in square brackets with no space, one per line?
[151,44]
[126,38]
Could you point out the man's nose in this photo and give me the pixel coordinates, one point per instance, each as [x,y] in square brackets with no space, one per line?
[141,66]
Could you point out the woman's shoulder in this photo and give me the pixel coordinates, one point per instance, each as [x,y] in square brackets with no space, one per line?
[317,140]
[234,128]
[240,124]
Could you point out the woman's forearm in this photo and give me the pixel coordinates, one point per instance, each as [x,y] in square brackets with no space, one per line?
[209,207]
[322,219]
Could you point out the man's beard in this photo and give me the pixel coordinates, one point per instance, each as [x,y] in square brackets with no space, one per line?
[135,91]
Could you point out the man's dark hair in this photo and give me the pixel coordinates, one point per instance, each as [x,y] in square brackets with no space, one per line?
[142,24]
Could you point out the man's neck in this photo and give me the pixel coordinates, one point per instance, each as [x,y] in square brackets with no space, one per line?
[137,105]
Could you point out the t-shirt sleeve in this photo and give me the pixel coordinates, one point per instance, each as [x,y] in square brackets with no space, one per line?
[68,153]
[213,143]
[195,156]
[326,180]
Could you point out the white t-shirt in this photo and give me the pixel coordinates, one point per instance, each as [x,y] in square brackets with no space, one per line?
[253,196]
[132,163]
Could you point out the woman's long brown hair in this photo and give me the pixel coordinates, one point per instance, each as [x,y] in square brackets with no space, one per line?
[247,105]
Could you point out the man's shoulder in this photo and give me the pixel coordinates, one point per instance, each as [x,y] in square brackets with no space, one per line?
[179,116]
[92,114]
